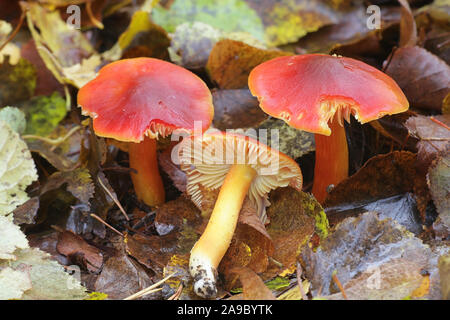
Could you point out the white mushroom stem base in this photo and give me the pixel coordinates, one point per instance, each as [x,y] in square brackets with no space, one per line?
[215,240]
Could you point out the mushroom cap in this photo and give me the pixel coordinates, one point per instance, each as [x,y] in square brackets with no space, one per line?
[207,158]
[132,98]
[307,90]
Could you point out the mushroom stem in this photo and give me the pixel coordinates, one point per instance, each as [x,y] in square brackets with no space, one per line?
[215,240]
[147,181]
[331,160]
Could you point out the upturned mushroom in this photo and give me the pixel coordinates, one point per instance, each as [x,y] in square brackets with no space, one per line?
[314,93]
[136,101]
[240,166]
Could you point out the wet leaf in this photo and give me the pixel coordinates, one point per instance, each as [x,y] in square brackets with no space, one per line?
[381,177]
[17,169]
[79,251]
[423,77]
[14,117]
[230,62]
[121,277]
[17,82]
[236,109]
[408,31]
[372,258]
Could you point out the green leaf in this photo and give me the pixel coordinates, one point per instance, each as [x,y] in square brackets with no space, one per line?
[44,113]
[17,82]
[226,15]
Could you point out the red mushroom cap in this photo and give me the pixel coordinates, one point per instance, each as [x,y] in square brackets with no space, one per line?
[307,90]
[133,97]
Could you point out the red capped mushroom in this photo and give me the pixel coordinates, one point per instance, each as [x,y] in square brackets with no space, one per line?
[240,167]
[315,92]
[137,100]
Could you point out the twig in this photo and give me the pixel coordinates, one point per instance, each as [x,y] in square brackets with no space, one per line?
[92,17]
[114,199]
[53,142]
[336,280]
[177,293]
[439,123]
[149,290]
[13,34]
[93,215]
[299,281]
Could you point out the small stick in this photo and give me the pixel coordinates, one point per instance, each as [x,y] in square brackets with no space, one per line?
[114,199]
[92,17]
[13,34]
[336,280]
[93,215]
[299,281]
[53,142]
[177,293]
[439,123]
[149,290]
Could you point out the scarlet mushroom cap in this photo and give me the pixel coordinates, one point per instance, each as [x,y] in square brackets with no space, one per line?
[307,90]
[132,98]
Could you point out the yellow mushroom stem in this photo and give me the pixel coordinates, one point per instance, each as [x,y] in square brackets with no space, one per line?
[215,240]
[147,181]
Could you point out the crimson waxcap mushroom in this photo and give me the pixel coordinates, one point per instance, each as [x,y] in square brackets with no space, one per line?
[314,92]
[137,100]
[240,166]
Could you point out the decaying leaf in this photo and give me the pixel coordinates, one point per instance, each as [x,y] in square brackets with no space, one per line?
[226,15]
[79,251]
[438,179]
[253,287]
[372,258]
[382,176]
[15,118]
[230,62]
[235,109]
[48,278]
[17,169]
[13,283]
[423,77]
[17,82]
[444,273]
[11,239]
[79,183]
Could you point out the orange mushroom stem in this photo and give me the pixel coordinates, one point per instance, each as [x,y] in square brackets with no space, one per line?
[147,181]
[331,165]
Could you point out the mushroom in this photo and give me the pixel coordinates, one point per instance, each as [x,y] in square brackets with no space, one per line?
[137,100]
[239,166]
[315,92]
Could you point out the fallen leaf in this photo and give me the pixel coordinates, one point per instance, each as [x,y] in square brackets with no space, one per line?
[438,180]
[253,287]
[26,213]
[423,77]
[236,108]
[408,29]
[379,259]
[17,170]
[79,251]
[230,62]
[444,273]
[14,117]
[13,283]
[11,239]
